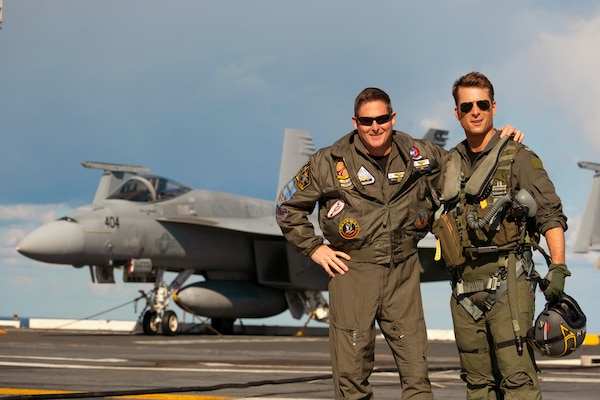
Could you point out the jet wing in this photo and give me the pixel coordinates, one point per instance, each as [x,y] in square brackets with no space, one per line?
[257,226]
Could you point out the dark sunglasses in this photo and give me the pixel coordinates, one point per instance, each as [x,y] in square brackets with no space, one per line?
[483,105]
[368,121]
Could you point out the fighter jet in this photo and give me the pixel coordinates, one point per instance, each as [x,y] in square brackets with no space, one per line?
[588,235]
[143,225]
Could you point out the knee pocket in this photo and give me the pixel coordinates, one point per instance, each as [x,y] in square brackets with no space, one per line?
[476,381]
[518,380]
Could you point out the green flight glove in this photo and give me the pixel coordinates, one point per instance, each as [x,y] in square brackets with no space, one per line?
[556,281]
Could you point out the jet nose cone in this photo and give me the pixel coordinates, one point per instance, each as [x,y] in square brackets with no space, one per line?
[58,242]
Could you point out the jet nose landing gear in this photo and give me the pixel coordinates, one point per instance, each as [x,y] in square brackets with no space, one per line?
[168,321]
[156,314]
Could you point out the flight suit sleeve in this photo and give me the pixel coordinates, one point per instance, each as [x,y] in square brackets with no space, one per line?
[439,156]
[295,203]
[531,175]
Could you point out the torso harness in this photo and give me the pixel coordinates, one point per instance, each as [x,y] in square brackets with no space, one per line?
[480,218]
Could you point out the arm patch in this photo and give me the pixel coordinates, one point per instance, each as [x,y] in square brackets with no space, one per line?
[303,179]
[536,163]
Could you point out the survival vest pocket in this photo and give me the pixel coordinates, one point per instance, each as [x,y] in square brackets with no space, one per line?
[445,230]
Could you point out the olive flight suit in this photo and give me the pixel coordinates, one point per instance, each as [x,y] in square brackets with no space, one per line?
[376,215]
[484,304]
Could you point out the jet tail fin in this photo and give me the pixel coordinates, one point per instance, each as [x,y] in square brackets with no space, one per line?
[588,234]
[298,145]
[114,175]
[437,136]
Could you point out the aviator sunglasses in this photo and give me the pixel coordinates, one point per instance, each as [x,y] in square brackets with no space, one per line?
[483,105]
[368,121]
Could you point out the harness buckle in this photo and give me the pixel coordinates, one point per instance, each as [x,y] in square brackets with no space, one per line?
[459,288]
[493,282]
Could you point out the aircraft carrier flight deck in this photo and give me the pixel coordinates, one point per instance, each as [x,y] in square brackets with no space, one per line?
[57,364]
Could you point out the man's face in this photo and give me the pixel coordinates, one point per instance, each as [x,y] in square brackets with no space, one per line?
[377,138]
[475,110]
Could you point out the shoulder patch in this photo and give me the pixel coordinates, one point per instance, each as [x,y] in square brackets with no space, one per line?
[287,192]
[303,178]
[536,163]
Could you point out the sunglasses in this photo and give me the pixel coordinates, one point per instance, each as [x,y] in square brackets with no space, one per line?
[483,105]
[368,121]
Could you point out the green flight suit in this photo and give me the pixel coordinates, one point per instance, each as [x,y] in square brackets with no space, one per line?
[491,364]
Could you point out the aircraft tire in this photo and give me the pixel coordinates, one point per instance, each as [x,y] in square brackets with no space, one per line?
[170,323]
[149,324]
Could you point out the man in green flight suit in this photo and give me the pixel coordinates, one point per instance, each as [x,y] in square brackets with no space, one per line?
[496,201]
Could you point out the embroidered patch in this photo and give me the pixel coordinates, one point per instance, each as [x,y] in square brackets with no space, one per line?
[422,165]
[342,175]
[422,219]
[336,208]
[365,176]
[349,228]
[303,177]
[415,154]
[287,192]
[537,163]
[281,212]
[395,177]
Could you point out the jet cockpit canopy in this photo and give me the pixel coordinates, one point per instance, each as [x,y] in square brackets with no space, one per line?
[149,188]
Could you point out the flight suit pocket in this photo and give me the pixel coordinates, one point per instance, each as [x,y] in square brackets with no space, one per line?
[445,230]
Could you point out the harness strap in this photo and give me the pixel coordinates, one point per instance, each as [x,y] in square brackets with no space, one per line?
[513,301]
[470,307]
[495,282]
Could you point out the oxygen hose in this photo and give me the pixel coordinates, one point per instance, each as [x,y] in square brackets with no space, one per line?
[498,204]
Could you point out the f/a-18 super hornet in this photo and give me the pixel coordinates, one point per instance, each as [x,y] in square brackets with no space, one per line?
[143,225]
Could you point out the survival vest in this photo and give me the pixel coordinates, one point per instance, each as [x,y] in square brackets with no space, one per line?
[474,218]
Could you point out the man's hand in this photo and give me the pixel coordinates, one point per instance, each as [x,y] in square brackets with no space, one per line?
[556,281]
[508,130]
[330,260]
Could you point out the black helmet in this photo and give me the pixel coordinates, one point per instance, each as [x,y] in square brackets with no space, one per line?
[560,329]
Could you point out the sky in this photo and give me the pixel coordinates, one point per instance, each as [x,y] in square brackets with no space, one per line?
[201,92]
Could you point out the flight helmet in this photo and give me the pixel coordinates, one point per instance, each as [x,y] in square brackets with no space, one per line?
[560,328]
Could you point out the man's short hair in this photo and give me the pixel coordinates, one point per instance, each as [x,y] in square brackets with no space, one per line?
[472,79]
[372,94]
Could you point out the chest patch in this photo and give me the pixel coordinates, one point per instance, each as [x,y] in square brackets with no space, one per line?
[336,208]
[349,228]
[422,165]
[342,174]
[365,176]
[395,177]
